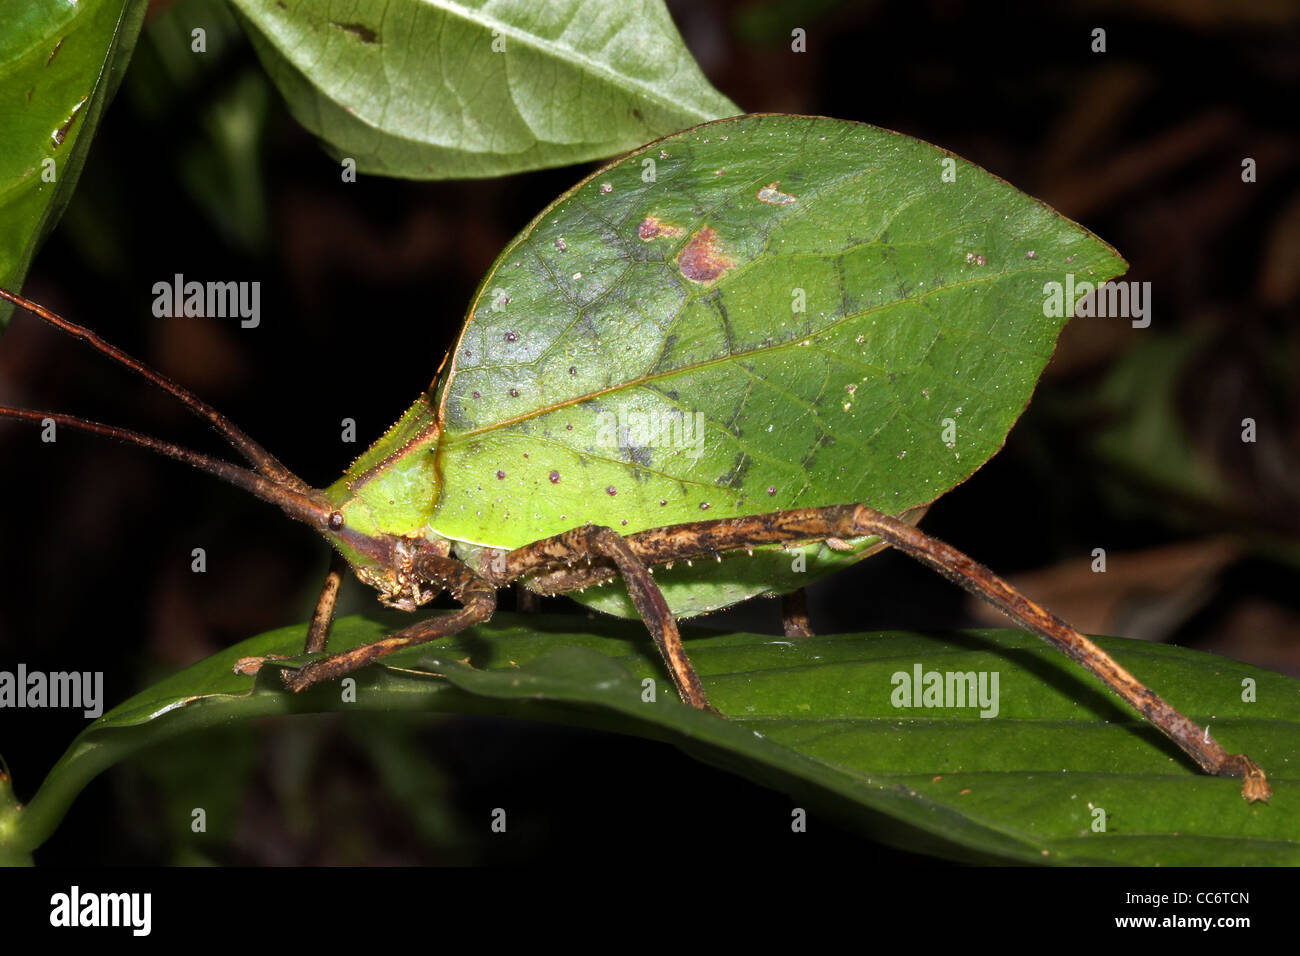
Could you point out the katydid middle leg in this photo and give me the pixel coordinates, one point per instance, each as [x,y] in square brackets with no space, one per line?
[588,544]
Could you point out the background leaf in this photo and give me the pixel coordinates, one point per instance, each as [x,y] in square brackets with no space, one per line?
[417,89]
[804,306]
[59,67]
[814,717]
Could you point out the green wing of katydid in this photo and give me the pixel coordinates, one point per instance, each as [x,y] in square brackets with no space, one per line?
[759,313]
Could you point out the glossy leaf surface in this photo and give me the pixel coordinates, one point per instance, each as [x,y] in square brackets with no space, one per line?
[817,718]
[440,89]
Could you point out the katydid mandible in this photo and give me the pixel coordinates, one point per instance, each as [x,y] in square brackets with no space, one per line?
[749,274]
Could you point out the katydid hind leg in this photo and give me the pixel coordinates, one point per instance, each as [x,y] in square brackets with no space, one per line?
[856,521]
[700,538]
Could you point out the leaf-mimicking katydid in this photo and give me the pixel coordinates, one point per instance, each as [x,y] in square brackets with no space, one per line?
[756,341]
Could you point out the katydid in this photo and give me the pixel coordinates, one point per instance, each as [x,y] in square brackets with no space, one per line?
[770,341]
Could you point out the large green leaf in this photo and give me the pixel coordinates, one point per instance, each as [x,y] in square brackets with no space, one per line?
[436,89]
[814,717]
[60,64]
[813,311]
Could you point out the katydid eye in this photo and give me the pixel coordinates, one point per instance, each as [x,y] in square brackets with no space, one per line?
[336,521]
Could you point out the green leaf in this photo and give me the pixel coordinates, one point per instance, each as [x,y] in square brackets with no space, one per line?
[815,717]
[438,89]
[60,64]
[11,852]
[760,313]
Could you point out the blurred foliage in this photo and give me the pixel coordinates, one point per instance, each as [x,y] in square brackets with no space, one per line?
[1162,424]
[221,163]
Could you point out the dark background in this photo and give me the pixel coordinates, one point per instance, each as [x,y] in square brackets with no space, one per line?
[1132,442]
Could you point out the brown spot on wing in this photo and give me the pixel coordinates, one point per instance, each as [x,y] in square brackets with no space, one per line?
[701,260]
[652,228]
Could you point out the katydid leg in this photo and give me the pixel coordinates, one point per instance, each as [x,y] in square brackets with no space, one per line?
[592,542]
[319,630]
[855,521]
[478,602]
[553,573]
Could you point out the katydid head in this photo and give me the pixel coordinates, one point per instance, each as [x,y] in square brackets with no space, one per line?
[375,516]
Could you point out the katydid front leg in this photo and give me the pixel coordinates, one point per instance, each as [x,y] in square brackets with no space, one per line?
[477,597]
[318,630]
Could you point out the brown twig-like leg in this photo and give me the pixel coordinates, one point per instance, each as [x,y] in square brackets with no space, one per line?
[581,545]
[479,601]
[680,542]
[794,614]
[318,631]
